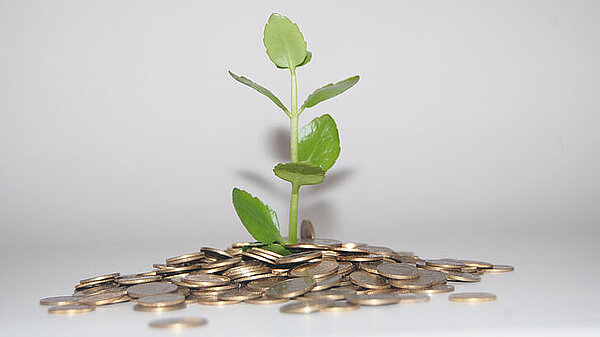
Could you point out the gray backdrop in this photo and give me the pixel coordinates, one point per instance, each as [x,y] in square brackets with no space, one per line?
[119,123]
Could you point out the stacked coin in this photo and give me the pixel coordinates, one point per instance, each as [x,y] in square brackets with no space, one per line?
[322,275]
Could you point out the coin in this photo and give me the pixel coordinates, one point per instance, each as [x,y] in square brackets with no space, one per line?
[138,307]
[418,283]
[60,300]
[266,300]
[413,298]
[370,267]
[185,258]
[360,258]
[437,289]
[477,264]
[216,302]
[368,280]
[339,306]
[500,268]
[306,230]
[435,277]
[216,253]
[331,294]
[291,287]
[161,300]
[298,257]
[71,309]
[178,322]
[265,252]
[239,295]
[100,278]
[462,277]
[222,263]
[139,279]
[345,268]
[472,297]
[105,298]
[263,284]
[323,268]
[147,289]
[445,263]
[374,299]
[304,307]
[398,271]
[206,280]
[327,282]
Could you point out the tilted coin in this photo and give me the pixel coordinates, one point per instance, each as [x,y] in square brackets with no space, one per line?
[263,284]
[266,300]
[500,268]
[185,258]
[239,295]
[255,277]
[339,306]
[341,250]
[323,268]
[138,307]
[178,322]
[398,271]
[462,277]
[161,300]
[291,287]
[472,297]
[327,282]
[418,283]
[306,230]
[345,268]
[298,257]
[334,294]
[353,244]
[265,252]
[413,298]
[71,309]
[206,280]
[437,289]
[222,263]
[360,258]
[216,302]
[436,277]
[321,242]
[370,267]
[105,298]
[445,263]
[95,290]
[139,279]
[100,278]
[368,280]
[147,289]
[216,253]
[260,257]
[374,299]
[304,307]
[92,284]
[60,300]
[478,264]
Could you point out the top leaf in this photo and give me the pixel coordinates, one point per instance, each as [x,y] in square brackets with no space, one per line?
[300,173]
[284,42]
[259,219]
[329,91]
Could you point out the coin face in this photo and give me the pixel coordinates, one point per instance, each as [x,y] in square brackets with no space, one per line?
[368,280]
[445,263]
[110,297]
[472,297]
[263,284]
[60,300]
[147,289]
[436,277]
[207,280]
[374,299]
[291,287]
[398,271]
[239,295]
[178,322]
[323,268]
[462,277]
[327,282]
[161,300]
[71,309]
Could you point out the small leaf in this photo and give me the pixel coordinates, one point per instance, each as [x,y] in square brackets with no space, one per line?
[300,173]
[319,142]
[259,219]
[284,42]
[260,89]
[329,91]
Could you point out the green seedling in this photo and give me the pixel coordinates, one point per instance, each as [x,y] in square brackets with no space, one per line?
[314,148]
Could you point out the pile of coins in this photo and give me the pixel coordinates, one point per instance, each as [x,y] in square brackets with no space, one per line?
[322,275]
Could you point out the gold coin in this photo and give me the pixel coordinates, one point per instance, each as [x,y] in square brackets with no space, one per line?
[304,307]
[100,278]
[222,288]
[60,300]
[418,283]
[161,300]
[445,263]
[316,270]
[265,252]
[105,298]
[472,297]
[374,299]
[306,230]
[437,289]
[398,271]
[138,307]
[223,263]
[216,253]
[334,294]
[339,306]
[345,268]
[95,290]
[147,289]
[263,284]
[413,298]
[206,280]
[178,322]
[320,242]
[239,295]
[216,302]
[327,282]
[368,280]
[353,245]
[266,300]
[291,287]
[255,277]
[92,284]
[500,268]
[436,277]
[462,277]
[361,258]
[71,309]
[350,251]
[370,267]
[477,264]
[139,279]
[298,257]
[185,258]
[259,257]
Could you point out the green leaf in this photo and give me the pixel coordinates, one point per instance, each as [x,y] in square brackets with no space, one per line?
[319,142]
[284,42]
[300,173]
[259,219]
[329,91]
[260,89]
[277,248]
[306,60]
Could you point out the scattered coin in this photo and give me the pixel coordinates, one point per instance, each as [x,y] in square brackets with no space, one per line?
[139,279]
[71,309]
[374,299]
[104,298]
[437,289]
[472,297]
[100,278]
[368,280]
[462,277]
[60,300]
[331,294]
[147,289]
[178,322]
[323,268]
[161,300]
[206,280]
[398,271]
[291,288]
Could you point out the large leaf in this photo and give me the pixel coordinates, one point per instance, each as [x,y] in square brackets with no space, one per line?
[260,89]
[319,142]
[284,42]
[259,219]
[329,91]
[306,60]
[300,173]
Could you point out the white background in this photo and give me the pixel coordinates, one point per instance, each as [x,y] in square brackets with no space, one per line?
[474,132]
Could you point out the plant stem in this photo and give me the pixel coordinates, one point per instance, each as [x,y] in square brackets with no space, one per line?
[293,222]
[293,230]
